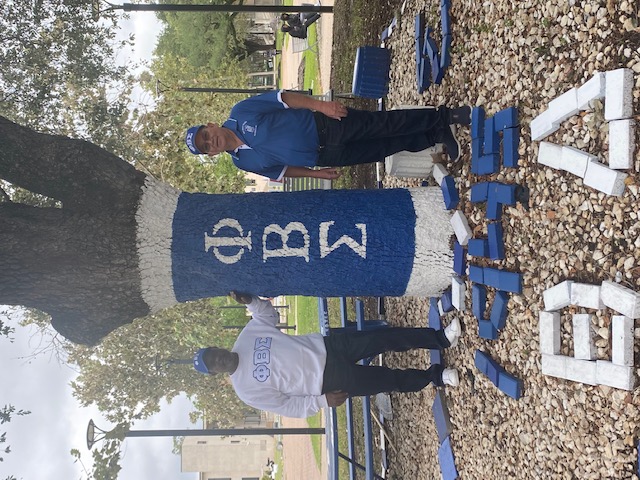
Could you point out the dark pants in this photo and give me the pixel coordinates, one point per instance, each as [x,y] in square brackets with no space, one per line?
[344,349]
[365,137]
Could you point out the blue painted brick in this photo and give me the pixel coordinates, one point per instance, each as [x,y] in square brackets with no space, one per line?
[384,35]
[447,461]
[476,153]
[459,259]
[447,305]
[487,330]
[420,25]
[505,193]
[496,241]
[479,192]
[488,163]
[435,321]
[437,73]
[478,247]
[494,207]
[445,3]
[445,20]
[491,277]
[510,143]
[477,122]
[476,274]
[481,361]
[445,52]
[499,310]
[507,118]
[441,415]
[510,385]
[425,74]
[435,357]
[509,281]
[450,192]
[491,137]
[493,369]
[478,300]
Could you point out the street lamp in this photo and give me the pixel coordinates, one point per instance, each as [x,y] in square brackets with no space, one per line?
[95,434]
[153,7]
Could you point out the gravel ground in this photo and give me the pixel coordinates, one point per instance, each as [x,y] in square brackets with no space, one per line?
[526,53]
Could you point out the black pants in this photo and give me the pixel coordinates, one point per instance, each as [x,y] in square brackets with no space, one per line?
[365,137]
[344,349]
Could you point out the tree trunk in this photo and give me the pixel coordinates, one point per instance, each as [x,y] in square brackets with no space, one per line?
[124,245]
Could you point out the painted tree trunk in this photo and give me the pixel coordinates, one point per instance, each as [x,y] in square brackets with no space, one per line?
[319,242]
[121,245]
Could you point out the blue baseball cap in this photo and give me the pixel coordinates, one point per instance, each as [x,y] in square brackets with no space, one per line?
[190,140]
[198,361]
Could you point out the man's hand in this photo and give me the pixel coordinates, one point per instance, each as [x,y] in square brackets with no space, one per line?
[337,398]
[328,173]
[243,298]
[333,110]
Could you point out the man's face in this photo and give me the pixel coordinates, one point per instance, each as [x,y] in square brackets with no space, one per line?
[211,139]
[219,360]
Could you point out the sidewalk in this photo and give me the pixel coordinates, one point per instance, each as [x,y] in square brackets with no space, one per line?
[290,61]
[299,461]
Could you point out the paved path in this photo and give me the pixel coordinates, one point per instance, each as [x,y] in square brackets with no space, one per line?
[291,61]
[299,461]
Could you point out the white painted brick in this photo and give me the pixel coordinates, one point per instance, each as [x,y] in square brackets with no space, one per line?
[542,126]
[621,299]
[554,365]
[586,295]
[584,347]
[583,371]
[439,172]
[575,161]
[550,154]
[621,143]
[618,101]
[549,333]
[458,291]
[564,106]
[616,376]
[622,340]
[558,296]
[604,179]
[461,227]
[592,89]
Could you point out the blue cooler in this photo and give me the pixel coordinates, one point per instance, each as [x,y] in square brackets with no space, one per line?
[371,72]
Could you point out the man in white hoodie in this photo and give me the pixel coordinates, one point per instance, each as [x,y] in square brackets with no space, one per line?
[297,375]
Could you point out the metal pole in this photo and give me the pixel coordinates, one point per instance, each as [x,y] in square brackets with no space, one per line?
[225,431]
[152,7]
[239,90]
[244,306]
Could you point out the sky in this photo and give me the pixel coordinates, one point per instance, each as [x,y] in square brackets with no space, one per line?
[41,441]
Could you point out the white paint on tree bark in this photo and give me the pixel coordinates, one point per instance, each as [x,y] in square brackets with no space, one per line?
[154,218]
[433,263]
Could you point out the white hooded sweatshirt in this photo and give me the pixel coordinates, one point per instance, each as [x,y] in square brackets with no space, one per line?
[277,372]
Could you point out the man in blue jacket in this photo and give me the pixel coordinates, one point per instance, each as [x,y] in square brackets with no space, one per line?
[285,134]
